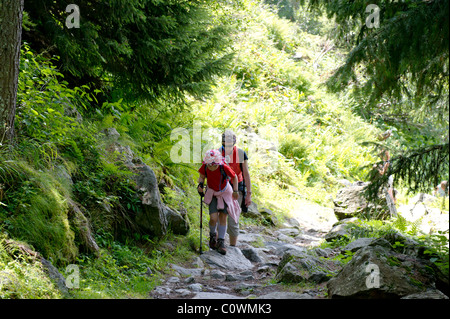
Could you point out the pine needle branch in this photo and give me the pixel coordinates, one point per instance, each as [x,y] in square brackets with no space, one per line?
[420,169]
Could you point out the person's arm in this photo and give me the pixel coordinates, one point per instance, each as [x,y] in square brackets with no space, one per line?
[248,184]
[383,168]
[386,166]
[201,180]
[235,187]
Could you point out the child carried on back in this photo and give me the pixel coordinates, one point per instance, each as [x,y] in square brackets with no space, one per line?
[220,196]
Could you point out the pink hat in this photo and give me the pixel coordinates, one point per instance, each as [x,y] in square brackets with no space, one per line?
[213,157]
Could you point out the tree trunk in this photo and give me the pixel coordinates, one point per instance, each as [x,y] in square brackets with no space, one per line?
[10,40]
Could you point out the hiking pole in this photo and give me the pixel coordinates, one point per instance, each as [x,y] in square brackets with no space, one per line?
[201,220]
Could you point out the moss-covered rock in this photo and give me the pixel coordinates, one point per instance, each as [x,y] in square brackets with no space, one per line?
[377,271]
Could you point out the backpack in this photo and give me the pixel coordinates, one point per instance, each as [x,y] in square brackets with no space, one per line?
[222,173]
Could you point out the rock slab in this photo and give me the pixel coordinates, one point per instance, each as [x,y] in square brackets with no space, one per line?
[233,260]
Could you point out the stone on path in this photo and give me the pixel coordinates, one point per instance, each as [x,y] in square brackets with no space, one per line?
[195,272]
[215,295]
[233,260]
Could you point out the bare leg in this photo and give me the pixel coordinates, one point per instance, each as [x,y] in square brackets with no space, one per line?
[223,219]
[213,217]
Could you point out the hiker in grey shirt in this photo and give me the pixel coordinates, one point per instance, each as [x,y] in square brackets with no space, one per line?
[237,159]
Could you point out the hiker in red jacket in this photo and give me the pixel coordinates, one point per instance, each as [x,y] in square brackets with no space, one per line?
[220,195]
[237,159]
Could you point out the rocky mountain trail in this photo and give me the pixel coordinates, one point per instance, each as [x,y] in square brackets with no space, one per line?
[248,270]
[284,261]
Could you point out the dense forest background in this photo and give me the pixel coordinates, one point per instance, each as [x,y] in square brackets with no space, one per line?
[306,85]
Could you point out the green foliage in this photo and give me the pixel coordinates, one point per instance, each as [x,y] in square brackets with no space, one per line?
[317,138]
[312,128]
[120,272]
[58,157]
[284,8]
[315,22]
[413,57]
[38,198]
[293,146]
[144,47]
[437,249]
[340,242]
[44,101]
[420,169]
[345,257]
[398,75]
[130,269]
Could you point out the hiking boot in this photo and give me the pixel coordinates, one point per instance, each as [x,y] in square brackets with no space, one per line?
[212,241]
[221,246]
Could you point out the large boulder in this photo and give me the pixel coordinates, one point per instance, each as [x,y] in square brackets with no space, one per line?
[376,271]
[177,221]
[350,202]
[152,215]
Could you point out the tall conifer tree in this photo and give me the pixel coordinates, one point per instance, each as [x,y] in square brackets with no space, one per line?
[397,68]
[145,47]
